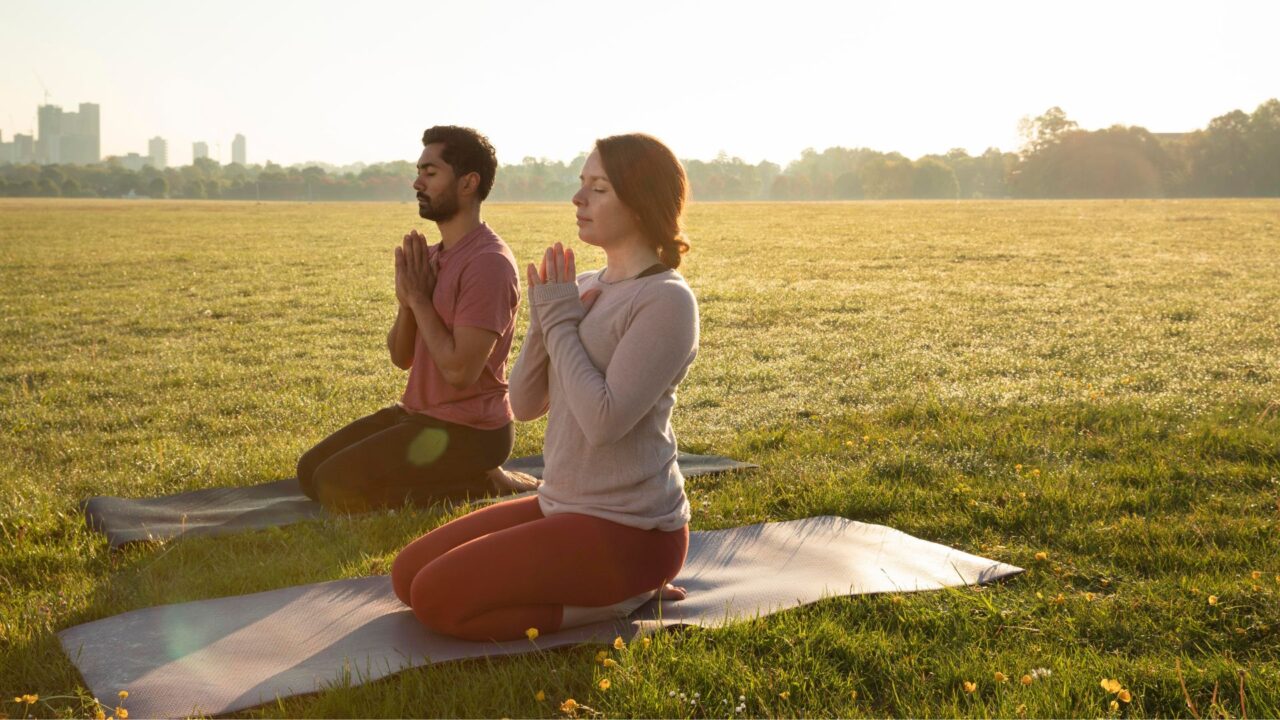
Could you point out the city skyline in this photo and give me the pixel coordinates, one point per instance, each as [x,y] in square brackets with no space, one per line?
[73,138]
[545,80]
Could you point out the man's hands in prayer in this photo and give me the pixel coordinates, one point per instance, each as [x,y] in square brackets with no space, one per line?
[415,273]
[558,267]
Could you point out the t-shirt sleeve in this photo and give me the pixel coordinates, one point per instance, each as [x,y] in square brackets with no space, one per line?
[488,294]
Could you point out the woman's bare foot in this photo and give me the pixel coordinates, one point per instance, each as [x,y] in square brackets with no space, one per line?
[670,593]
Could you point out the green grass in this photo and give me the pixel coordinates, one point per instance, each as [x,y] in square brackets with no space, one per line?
[889,362]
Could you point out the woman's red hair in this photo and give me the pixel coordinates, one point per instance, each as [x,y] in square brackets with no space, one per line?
[651,182]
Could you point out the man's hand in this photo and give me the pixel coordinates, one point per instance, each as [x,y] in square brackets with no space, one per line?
[415,274]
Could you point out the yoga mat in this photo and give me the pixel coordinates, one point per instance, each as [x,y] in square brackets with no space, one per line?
[226,654]
[217,511]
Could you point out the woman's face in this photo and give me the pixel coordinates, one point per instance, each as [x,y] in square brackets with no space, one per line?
[603,220]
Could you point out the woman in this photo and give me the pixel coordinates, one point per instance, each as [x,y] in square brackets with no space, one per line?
[604,354]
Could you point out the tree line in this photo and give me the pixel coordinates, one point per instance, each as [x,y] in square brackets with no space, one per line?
[1236,155]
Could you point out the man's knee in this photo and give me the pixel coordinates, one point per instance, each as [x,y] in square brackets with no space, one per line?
[307,465]
[337,492]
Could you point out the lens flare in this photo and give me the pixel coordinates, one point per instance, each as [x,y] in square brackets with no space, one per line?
[428,446]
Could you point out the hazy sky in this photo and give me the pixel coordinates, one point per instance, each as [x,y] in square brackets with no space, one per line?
[339,82]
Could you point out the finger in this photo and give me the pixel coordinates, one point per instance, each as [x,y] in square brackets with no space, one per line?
[399,259]
[570,268]
[549,265]
[589,298]
[543,272]
[559,258]
[533,275]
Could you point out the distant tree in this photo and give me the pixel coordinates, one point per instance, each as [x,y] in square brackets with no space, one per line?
[848,186]
[71,188]
[887,177]
[932,178]
[1116,162]
[1045,129]
[158,188]
[48,188]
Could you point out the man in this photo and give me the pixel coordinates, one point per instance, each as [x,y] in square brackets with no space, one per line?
[452,429]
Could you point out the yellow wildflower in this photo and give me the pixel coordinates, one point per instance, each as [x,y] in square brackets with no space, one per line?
[609,662]
[1111,686]
[645,642]
[853,694]
[970,687]
[604,683]
[568,706]
[868,437]
[123,694]
[1124,695]
[1213,599]
[785,694]
[531,633]
[1088,597]
[1018,467]
[618,643]
[539,696]
[1042,556]
[1026,680]
[122,713]
[99,715]
[1001,677]
[1256,574]
[1115,706]
[30,699]
[1021,710]
[1036,472]
[1059,600]
[600,656]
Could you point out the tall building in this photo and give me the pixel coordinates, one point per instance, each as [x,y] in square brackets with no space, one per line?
[199,151]
[238,154]
[72,138]
[158,153]
[24,149]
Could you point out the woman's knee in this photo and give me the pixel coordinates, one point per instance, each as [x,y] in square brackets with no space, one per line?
[438,604]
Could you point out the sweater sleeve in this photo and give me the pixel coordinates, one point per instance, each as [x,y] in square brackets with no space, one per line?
[655,350]
[527,383]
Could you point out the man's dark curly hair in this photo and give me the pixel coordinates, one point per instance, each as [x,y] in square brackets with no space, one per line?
[466,151]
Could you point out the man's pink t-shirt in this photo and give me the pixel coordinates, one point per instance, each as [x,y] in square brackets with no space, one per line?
[476,286]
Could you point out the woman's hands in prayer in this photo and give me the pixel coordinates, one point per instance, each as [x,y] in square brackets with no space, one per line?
[558,267]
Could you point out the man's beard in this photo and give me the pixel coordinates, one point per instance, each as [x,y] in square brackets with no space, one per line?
[444,208]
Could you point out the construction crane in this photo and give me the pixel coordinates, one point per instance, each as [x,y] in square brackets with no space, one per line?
[42,86]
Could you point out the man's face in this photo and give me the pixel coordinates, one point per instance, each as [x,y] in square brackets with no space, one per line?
[436,186]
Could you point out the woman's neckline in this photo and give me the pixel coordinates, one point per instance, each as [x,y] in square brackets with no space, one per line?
[653,269]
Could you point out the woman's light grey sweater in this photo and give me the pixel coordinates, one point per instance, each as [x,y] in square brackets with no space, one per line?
[609,378]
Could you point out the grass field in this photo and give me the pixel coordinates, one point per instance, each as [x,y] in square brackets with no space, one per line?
[1090,390]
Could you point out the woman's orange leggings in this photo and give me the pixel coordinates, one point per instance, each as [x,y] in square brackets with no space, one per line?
[495,573]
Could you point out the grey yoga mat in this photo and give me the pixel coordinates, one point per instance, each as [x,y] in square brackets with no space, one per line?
[217,656]
[217,511]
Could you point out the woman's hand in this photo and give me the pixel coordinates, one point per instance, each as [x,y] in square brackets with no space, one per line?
[415,273]
[558,267]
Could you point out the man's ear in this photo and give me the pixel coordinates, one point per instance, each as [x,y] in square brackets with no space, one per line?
[469,184]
